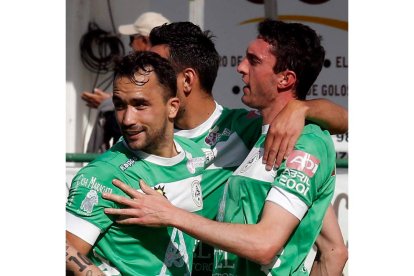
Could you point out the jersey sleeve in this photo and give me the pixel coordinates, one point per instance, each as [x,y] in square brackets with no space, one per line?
[85,205]
[305,174]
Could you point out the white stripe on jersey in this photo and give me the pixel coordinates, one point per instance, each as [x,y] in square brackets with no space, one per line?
[252,167]
[82,228]
[288,201]
[185,194]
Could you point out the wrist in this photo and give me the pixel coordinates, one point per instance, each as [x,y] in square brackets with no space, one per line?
[174,217]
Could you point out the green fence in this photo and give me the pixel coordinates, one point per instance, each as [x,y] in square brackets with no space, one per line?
[88,157]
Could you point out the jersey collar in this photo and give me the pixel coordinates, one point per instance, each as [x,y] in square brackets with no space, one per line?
[158,160]
[204,127]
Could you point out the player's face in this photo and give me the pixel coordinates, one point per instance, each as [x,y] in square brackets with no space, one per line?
[257,73]
[164,51]
[142,113]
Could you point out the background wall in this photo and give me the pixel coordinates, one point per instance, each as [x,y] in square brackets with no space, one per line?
[233,22]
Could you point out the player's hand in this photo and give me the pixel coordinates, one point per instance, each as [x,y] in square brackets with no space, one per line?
[148,207]
[95,99]
[283,133]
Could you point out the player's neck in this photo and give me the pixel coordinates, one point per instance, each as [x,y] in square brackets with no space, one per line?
[197,110]
[270,112]
[165,147]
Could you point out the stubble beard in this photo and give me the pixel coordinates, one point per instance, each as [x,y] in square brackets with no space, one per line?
[153,140]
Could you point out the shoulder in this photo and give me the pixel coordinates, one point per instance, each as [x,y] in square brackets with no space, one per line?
[109,164]
[314,138]
[241,113]
[240,120]
[314,149]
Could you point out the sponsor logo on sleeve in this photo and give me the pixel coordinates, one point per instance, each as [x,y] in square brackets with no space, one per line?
[295,181]
[92,184]
[303,161]
[90,200]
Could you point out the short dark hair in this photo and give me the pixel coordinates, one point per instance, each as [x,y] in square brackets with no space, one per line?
[148,62]
[189,47]
[297,47]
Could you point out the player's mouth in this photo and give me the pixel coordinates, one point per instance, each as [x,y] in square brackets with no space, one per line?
[246,89]
[133,134]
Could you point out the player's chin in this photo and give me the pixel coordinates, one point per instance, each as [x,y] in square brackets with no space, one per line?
[137,144]
[246,99]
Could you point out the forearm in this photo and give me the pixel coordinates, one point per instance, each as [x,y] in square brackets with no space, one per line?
[78,264]
[245,240]
[332,251]
[328,264]
[327,114]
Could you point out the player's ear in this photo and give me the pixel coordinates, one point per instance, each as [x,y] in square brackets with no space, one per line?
[188,79]
[173,107]
[286,80]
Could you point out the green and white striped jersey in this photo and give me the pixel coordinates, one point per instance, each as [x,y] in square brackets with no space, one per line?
[303,185]
[136,250]
[226,138]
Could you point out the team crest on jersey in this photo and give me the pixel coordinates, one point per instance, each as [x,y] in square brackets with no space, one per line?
[90,200]
[303,161]
[251,161]
[214,136]
[196,193]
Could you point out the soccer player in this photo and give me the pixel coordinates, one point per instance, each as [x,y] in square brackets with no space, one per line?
[227,133]
[270,108]
[145,101]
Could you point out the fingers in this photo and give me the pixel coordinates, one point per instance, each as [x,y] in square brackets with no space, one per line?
[147,189]
[290,146]
[127,189]
[282,152]
[124,213]
[273,148]
[119,199]
[99,91]
[128,221]
[267,145]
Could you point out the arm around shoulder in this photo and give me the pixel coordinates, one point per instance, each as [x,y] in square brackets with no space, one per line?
[327,114]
